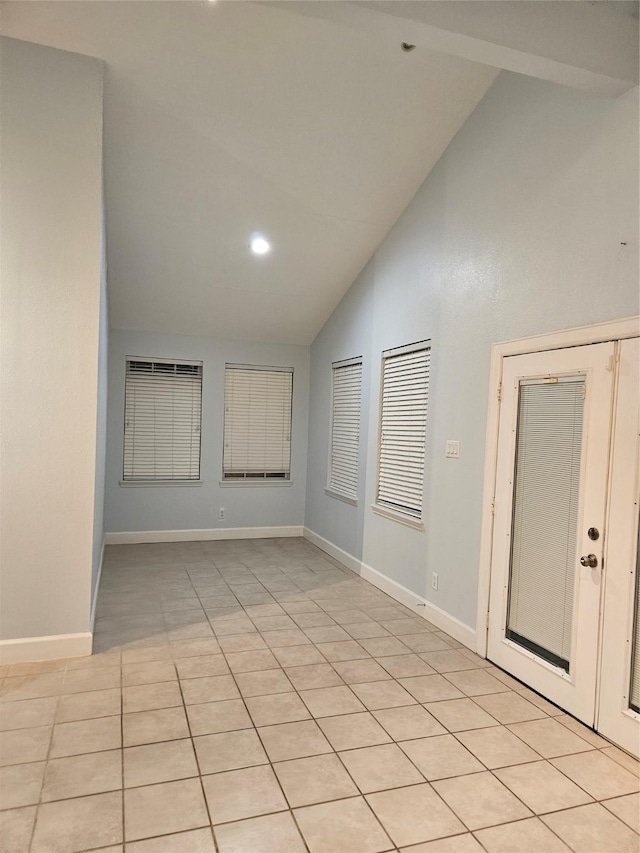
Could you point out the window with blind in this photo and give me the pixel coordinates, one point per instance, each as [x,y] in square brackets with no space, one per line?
[257,423]
[403,427]
[162,415]
[345,428]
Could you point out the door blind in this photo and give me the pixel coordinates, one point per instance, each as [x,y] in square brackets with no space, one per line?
[257,422]
[403,426]
[163,407]
[545,517]
[345,428]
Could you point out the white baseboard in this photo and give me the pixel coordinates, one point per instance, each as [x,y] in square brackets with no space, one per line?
[97,587]
[46,648]
[138,537]
[452,626]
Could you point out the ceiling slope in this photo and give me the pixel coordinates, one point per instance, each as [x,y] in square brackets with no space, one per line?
[222,119]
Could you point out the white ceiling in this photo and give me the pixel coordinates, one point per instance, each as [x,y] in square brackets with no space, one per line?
[226,118]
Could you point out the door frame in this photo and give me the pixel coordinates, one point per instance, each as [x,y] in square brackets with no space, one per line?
[615,330]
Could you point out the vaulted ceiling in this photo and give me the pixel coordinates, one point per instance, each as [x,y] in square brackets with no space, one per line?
[222,119]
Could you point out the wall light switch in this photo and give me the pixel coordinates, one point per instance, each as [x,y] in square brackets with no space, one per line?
[452,449]
[221,514]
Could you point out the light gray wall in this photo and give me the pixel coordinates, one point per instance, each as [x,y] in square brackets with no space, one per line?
[101,424]
[518,230]
[51,222]
[196,507]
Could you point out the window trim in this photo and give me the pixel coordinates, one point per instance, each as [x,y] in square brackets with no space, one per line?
[329,489]
[142,483]
[247,482]
[382,509]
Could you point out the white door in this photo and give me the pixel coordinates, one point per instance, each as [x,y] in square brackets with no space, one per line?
[619,705]
[551,495]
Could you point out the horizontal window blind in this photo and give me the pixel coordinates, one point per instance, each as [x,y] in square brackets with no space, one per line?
[257,423]
[345,428]
[163,409]
[403,426]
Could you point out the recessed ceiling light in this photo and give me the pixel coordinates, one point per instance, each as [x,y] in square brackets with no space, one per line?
[259,245]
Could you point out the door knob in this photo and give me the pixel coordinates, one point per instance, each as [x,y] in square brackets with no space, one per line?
[590,561]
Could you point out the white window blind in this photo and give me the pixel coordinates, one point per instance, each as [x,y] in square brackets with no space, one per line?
[403,427]
[163,406]
[257,422]
[345,428]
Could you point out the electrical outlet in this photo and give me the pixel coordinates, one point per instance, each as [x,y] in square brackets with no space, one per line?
[221,514]
[434,580]
[452,449]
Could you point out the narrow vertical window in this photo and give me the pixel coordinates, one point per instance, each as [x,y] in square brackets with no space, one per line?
[403,427]
[346,402]
[162,415]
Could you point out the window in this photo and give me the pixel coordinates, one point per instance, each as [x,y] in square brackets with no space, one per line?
[257,422]
[345,428]
[162,413]
[403,423]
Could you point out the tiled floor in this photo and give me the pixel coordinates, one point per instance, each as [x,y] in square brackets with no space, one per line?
[255,697]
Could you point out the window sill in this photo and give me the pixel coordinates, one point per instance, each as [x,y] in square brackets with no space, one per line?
[249,484]
[154,484]
[407,520]
[338,496]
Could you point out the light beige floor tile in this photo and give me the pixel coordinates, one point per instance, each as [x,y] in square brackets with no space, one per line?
[294,740]
[285,637]
[327,634]
[384,646]
[29,713]
[150,697]
[212,717]
[242,643]
[366,630]
[86,736]
[378,768]
[440,757]
[252,661]
[623,758]
[331,701]
[549,738]
[165,808]
[20,784]
[269,834]
[454,844]
[448,660]
[147,654]
[358,671]
[353,731]
[476,682]
[509,707]
[626,808]
[313,676]
[383,694]
[229,751]
[87,706]
[343,826]
[539,702]
[430,688]
[298,655]
[159,762]
[525,836]
[422,643]
[154,726]
[317,779]
[241,794]
[81,775]
[89,680]
[276,708]
[502,676]
[147,673]
[409,722]
[181,649]
[542,787]
[22,745]
[582,731]
[263,683]
[342,651]
[459,715]
[31,686]
[597,774]
[497,747]
[37,667]
[15,828]
[481,800]
[210,689]
[193,841]
[200,666]
[413,815]
[405,666]
[68,826]
[592,828]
